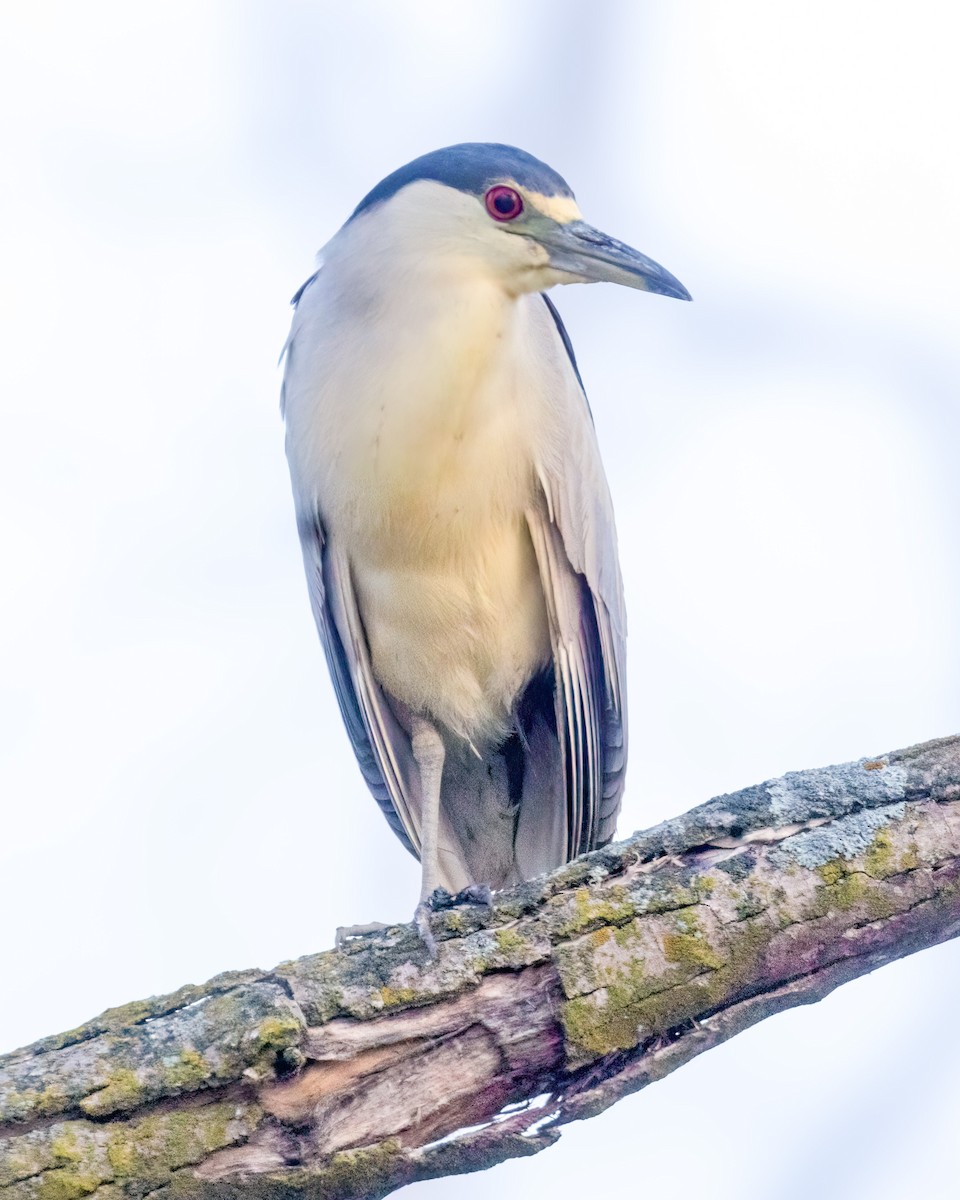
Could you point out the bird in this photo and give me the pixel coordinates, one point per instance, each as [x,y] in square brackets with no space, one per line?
[455,520]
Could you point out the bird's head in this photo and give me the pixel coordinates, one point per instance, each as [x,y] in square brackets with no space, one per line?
[495,210]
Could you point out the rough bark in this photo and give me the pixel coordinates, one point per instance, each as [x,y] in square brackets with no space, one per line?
[352,1072]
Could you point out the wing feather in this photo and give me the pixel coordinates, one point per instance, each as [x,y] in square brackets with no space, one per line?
[380,742]
[574,537]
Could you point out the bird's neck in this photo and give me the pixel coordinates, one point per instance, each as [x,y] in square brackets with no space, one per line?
[436,324]
[431,408]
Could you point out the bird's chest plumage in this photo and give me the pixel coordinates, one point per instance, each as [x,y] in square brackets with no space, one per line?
[428,476]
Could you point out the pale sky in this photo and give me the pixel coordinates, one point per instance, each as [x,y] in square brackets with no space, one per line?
[178,795]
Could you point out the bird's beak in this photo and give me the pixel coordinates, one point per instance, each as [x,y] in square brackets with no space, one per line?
[579,249]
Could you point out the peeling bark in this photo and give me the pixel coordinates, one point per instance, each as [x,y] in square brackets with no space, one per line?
[350,1073]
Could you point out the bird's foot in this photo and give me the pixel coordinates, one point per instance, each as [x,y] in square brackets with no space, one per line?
[477,893]
[440,900]
[346,933]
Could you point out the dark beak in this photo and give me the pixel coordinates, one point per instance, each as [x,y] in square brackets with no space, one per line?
[581,250]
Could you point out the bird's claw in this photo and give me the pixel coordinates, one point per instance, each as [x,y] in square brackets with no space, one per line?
[346,933]
[421,921]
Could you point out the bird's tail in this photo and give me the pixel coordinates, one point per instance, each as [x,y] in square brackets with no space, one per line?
[503,816]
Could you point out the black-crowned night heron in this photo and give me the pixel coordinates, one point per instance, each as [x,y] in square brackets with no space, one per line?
[457,528]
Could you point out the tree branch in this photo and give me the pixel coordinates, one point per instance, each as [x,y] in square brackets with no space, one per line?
[352,1072]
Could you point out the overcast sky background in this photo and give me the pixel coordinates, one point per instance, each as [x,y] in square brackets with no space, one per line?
[178,795]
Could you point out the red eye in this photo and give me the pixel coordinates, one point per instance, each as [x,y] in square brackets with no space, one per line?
[503,203]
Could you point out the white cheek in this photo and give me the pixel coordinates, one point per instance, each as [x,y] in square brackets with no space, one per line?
[520,256]
[531,270]
[536,255]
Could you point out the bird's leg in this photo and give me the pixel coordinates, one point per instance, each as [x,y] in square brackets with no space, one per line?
[428,751]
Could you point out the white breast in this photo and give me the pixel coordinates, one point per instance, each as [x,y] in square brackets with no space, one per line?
[411,429]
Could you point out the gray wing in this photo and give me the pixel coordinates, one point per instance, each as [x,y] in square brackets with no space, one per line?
[574,536]
[379,741]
